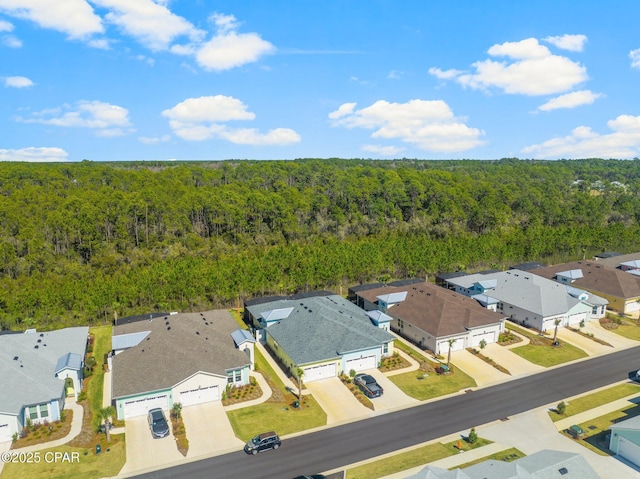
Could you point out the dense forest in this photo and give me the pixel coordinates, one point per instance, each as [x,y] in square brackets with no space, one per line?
[80,241]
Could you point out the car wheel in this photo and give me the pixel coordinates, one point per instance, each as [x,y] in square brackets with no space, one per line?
[254,452]
[276,446]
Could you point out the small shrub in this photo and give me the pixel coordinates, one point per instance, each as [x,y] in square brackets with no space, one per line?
[352,373]
[82,396]
[176,410]
[473,436]
[14,438]
[561,408]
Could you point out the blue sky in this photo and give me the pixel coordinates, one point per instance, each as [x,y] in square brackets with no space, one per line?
[201,80]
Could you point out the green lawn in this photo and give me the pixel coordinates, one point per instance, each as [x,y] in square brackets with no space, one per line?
[88,465]
[628,329]
[549,355]
[414,458]
[277,413]
[101,346]
[590,401]
[410,351]
[433,385]
[597,429]
[508,455]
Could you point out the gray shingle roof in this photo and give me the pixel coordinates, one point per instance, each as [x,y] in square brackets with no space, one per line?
[322,328]
[176,347]
[70,361]
[526,290]
[545,464]
[30,379]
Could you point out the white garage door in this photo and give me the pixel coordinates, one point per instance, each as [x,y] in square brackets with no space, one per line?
[443,346]
[360,364]
[489,337]
[319,372]
[629,450]
[576,318]
[5,432]
[139,407]
[199,396]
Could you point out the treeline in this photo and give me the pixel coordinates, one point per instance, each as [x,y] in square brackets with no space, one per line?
[80,241]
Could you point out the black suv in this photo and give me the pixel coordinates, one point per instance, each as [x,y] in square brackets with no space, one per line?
[368,385]
[266,440]
[158,423]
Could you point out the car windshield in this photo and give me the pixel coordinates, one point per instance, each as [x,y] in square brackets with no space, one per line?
[368,379]
[256,440]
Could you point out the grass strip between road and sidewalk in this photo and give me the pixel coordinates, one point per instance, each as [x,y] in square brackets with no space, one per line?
[413,458]
[590,401]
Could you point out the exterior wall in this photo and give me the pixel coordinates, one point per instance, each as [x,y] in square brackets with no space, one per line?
[198,381]
[75,375]
[248,348]
[9,425]
[281,354]
[414,334]
[631,435]
[121,400]
[580,312]
[51,414]
[524,317]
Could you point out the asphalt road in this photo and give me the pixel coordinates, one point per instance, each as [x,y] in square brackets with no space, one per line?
[335,447]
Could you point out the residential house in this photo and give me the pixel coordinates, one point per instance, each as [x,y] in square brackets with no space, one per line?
[625,440]
[432,317]
[529,299]
[545,464]
[186,358]
[35,367]
[619,288]
[323,336]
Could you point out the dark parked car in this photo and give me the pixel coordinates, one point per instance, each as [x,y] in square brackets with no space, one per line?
[158,423]
[266,440]
[368,385]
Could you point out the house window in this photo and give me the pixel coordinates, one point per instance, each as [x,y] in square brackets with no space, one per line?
[230,378]
[385,348]
[238,376]
[33,412]
[44,410]
[400,323]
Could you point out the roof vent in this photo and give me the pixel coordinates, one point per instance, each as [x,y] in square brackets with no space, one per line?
[15,358]
[563,471]
[206,323]
[148,338]
[35,347]
[310,311]
[201,314]
[198,333]
[42,335]
[39,341]
[166,318]
[44,344]
[169,328]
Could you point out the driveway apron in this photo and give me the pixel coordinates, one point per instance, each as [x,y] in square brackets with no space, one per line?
[208,430]
[143,451]
[393,396]
[516,365]
[483,372]
[337,401]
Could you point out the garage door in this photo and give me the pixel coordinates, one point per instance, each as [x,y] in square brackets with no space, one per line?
[443,346]
[576,318]
[5,432]
[139,407]
[320,372]
[489,337]
[199,396]
[360,364]
[629,450]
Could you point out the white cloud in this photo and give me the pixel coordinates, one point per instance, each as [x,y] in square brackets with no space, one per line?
[5,26]
[635,58]
[108,120]
[151,23]
[570,100]
[228,48]
[429,125]
[17,82]
[573,43]
[198,119]
[99,43]
[583,142]
[154,140]
[76,18]
[531,69]
[11,41]
[34,154]
[382,150]
[394,75]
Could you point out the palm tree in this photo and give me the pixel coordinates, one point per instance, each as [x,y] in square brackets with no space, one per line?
[451,342]
[555,333]
[300,373]
[106,413]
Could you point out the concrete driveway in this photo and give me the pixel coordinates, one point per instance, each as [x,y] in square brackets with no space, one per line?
[393,397]
[516,365]
[143,451]
[617,341]
[483,372]
[589,346]
[337,401]
[209,430]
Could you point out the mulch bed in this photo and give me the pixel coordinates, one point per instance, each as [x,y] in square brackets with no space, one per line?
[394,362]
[355,390]
[180,434]
[41,433]
[608,323]
[242,394]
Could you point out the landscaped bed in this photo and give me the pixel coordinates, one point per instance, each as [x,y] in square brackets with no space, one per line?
[393,362]
[355,390]
[234,395]
[45,432]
